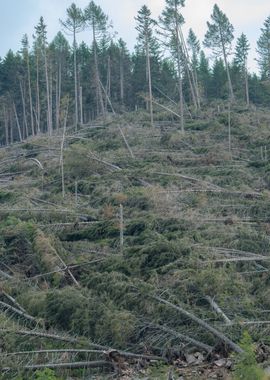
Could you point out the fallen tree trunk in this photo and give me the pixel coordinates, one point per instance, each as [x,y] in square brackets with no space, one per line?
[201,323]
[217,309]
[98,348]
[61,338]
[185,338]
[93,364]
[6,306]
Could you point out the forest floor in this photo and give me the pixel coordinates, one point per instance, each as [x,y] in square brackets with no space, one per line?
[136,250]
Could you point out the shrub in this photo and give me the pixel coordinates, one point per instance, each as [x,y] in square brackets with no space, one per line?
[247,367]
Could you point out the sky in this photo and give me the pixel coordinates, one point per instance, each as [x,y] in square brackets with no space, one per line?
[18,17]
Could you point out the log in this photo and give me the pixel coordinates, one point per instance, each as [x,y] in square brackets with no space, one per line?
[74,365]
[126,142]
[192,179]
[84,351]
[104,162]
[60,338]
[185,338]
[13,301]
[218,310]
[5,275]
[201,323]
[6,306]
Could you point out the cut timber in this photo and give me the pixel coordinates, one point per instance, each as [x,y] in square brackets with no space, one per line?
[201,323]
[218,310]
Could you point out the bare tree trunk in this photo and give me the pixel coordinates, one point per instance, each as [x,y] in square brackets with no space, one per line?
[227,69]
[247,87]
[75,78]
[6,125]
[25,129]
[30,94]
[81,106]
[191,76]
[121,228]
[202,323]
[17,122]
[180,83]
[37,97]
[148,65]
[108,84]
[62,154]
[97,78]
[121,78]
[49,116]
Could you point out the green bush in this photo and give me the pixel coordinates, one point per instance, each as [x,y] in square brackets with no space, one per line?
[246,367]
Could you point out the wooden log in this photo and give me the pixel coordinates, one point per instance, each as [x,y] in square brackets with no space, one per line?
[185,338]
[201,323]
[217,309]
[58,337]
[19,312]
[74,365]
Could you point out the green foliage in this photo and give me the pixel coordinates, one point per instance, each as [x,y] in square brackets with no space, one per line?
[46,374]
[247,367]
[263,49]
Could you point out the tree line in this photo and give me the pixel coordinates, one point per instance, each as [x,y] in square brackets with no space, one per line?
[44,85]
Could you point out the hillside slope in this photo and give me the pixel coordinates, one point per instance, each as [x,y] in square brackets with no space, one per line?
[195,213]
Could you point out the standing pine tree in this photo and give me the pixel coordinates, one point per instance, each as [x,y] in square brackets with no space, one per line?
[97,22]
[219,38]
[41,45]
[171,20]
[74,24]
[194,46]
[145,28]
[241,55]
[25,53]
[264,50]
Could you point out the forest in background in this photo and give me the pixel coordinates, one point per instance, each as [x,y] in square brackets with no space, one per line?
[42,83]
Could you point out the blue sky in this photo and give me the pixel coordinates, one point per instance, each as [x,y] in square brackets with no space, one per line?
[20,16]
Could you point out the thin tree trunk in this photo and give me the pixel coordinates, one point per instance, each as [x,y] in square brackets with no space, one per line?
[62,155]
[180,84]
[97,78]
[148,65]
[25,129]
[246,86]
[81,106]
[17,122]
[191,75]
[6,125]
[75,78]
[121,78]
[49,116]
[37,98]
[227,68]
[30,94]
